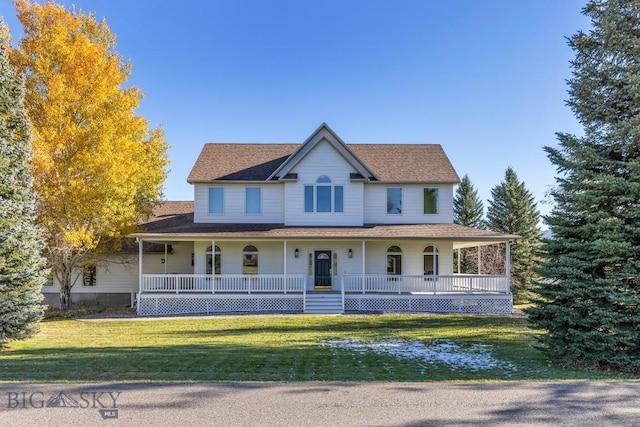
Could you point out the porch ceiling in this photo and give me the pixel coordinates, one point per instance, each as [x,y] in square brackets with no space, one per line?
[462,236]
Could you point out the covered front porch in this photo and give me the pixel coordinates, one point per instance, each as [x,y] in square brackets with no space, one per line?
[314,275]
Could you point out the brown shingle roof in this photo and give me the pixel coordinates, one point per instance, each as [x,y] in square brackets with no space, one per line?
[174,220]
[173,207]
[239,162]
[394,163]
[169,214]
[187,229]
[407,162]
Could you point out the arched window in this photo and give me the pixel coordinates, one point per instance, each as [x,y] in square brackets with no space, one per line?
[323,196]
[430,260]
[217,260]
[394,260]
[250,260]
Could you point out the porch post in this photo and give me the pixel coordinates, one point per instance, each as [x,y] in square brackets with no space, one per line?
[139,265]
[435,261]
[508,266]
[213,258]
[433,267]
[459,263]
[285,257]
[284,284]
[364,271]
[479,260]
[166,258]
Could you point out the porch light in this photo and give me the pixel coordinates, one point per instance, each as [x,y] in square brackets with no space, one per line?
[296,253]
[350,253]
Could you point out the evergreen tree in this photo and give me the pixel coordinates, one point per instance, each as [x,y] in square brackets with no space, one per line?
[468,210]
[513,210]
[590,291]
[21,267]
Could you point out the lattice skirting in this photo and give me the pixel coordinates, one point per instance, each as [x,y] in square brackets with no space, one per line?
[498,304]
[163,305]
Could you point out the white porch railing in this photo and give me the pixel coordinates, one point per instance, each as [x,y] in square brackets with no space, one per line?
[296,283]
[235,283]
[458,283]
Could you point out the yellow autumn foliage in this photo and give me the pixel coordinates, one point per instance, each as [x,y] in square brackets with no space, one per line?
[98,167]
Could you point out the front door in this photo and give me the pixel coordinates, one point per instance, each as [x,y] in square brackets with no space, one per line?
[322,269]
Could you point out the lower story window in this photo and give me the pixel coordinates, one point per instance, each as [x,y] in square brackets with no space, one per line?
[217,261]
[394,260]
[250,260]
[89,275]
[430,260]
[49,281]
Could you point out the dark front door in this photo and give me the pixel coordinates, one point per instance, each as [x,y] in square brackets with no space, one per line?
[323,269]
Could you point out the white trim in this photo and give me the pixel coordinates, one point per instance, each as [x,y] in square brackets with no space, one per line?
[284,257]
[140,251]
[323,133]
[508,265]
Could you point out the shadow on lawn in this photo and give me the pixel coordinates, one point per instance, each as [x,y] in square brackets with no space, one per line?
[232,362]
[375,325]
[197,363]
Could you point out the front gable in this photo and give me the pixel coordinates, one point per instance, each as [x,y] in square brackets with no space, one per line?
[324,134]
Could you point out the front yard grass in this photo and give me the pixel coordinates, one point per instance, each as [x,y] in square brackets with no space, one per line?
[274,348]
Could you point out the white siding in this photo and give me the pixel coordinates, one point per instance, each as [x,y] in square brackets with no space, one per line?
[234,199]
[119,273]
[412,257]
[375,204]
[271,257]
[176,262]
[115,275]
[323,160]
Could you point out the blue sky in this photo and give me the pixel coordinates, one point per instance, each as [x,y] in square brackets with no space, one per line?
[483,78]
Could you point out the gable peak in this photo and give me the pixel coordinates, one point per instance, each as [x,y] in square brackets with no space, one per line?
[323,133]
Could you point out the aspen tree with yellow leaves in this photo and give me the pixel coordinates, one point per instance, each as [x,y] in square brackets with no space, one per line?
[98,167]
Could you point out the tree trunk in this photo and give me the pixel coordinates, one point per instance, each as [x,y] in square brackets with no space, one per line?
[65,297]
[64,277]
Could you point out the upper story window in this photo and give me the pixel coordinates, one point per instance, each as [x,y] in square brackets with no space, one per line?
[394,200]
[216,200]
[250,260]
[430,200]
[214,260]
[252,200]
[323,196]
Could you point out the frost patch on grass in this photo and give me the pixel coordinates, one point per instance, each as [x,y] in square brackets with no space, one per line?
[475,357]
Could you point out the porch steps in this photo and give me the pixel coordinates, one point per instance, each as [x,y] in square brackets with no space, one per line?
[323,302]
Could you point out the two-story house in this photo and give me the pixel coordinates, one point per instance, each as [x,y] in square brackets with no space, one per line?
[321,226]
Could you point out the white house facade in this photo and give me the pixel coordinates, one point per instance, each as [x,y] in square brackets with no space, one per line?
[317,227]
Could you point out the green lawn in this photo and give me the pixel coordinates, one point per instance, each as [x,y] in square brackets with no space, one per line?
[278,348]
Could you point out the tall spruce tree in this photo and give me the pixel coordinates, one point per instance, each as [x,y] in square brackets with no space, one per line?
[468,210]
[513,210]
[590,289]
[22,271]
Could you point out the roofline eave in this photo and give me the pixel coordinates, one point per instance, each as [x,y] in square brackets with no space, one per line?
[216,236]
